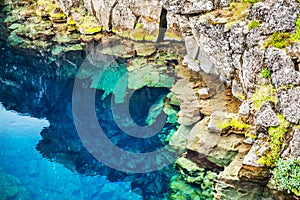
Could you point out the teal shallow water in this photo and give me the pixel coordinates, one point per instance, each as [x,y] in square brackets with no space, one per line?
[43,179]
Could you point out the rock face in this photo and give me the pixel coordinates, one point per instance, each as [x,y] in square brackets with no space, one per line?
[136,19]
[213,147]
[189,113]
[289,103]
[293,147]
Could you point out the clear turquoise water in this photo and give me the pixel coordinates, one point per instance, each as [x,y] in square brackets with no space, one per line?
[41,178]
[41,154]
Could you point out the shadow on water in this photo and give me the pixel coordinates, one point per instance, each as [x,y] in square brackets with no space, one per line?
[33,86]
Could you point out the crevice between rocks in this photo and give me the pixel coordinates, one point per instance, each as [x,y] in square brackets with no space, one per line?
[163,25]
[93,9]
[110,18]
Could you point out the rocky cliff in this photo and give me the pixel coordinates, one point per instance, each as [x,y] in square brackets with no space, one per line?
[253,47]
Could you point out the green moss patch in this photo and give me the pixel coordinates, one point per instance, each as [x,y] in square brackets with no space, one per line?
[276,138]
[262,94]
[235,123]
[265,73]
[253,24]
[279,40]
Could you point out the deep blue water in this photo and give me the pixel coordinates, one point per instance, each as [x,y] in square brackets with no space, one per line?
[39,143]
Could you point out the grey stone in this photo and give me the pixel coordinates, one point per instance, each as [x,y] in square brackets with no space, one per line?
[278,15]
[266,117]
[188,6]
[204,93]
[295,144]
[252,65]
[244,110]
[249,141]
[237,89]
[293,149]
[289,102]
[276,59]
[285,77]
[237,39]
[189,108]
[256,150]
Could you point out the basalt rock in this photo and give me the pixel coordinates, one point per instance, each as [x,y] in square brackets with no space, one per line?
[266,117]
[289,103]
[293,147]
[216,149]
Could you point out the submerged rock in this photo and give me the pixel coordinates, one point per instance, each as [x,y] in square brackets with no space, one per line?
[193,182]
[11,188]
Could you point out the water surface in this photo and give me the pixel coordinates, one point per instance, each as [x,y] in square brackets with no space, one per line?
[41,153]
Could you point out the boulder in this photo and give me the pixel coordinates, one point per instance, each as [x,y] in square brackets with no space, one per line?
[289,102]
[278,15]
[266,117]
[293,149]
[188,6]
[189,112]
[217,149]
[251,170]
[277,59]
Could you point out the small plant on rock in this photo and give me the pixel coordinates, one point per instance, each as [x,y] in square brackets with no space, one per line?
[286,175]
[251,1]
[253,24]
[296,36]
[265,73]
[276,138]
[279,40]
[262,94]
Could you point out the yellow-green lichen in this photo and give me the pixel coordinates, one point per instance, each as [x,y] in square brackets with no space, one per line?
[276,138]
[234,123]
[251,1]
[241,96]
[279,40]
[57,14]
[90,26]
[139,25]
[262,94]
[265,73]
[296,36]
[253,24]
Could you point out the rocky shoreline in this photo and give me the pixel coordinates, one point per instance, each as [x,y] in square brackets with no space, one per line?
[239,109]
